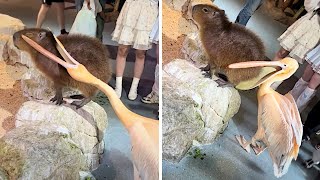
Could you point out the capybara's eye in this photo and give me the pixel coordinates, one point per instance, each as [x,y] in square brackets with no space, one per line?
[205,10]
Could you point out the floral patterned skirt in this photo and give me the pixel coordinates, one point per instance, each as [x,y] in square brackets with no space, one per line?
[301,37]
[135,23]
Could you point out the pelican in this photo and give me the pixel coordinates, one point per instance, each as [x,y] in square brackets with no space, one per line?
[279,123]
[143,131]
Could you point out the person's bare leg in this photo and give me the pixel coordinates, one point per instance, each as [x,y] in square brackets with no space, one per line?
[139,64]
[122,54]
[308,73]
[315,81]
[282,53]
[60,15]
[138,69]
[42,15]
[302,83]
[309,92]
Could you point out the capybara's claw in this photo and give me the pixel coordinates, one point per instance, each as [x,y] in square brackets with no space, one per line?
[207,74]
[58,99]
[222,83]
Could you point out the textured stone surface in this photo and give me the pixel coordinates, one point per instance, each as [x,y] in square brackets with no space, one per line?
[194,108]
[10,74]
[36,86]
[175,24]
[193,50]
[39,151]
[17,56]
[86,126]
[8,27]
[4,115]
[3,46]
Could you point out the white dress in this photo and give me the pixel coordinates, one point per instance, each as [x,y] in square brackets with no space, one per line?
[85,22]
[135,23]
[303,35]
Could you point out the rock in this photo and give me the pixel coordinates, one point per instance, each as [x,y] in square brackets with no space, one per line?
[86,126]
[39,151]
[4,114]
[175,24]
[193,50]
[8,27]
[17,56]
[10,74]
[3,47]
[36,86]
[175,4]
[194,108]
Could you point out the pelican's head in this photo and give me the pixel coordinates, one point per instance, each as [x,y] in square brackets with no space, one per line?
[284,69]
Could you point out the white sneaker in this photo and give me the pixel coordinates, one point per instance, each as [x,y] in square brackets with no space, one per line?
[151,98]
[133,93]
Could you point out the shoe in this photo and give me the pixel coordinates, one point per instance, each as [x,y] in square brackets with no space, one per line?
[63,31]
[308,163]
[305,138]
[133,93]
[151,98]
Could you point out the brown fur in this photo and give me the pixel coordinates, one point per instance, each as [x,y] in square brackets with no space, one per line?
[227,43]
[86,50]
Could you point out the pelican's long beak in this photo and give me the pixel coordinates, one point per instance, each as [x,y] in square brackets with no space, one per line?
[250,64]
[69,63]
[278,67]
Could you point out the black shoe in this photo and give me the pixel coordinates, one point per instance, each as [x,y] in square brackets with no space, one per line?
[305,138]
[308,163]
[63,31]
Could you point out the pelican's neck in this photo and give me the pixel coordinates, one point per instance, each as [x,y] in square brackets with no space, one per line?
[265,88]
